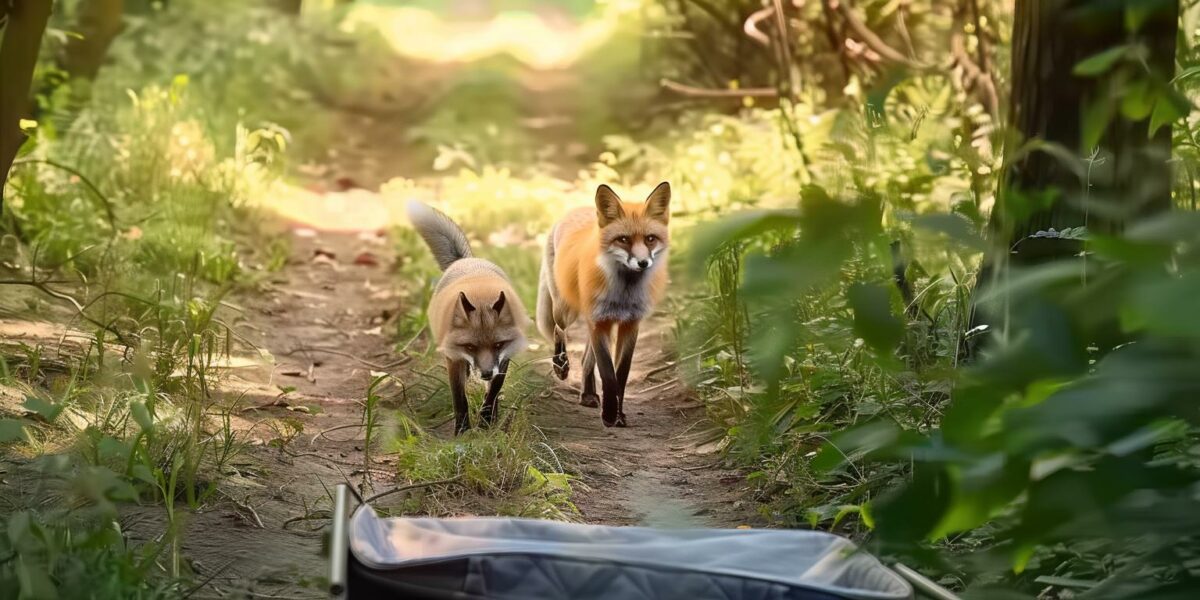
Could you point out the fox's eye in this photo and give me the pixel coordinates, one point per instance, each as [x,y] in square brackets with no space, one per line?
[650,239]
[499,346]
[623,239]
[469,347]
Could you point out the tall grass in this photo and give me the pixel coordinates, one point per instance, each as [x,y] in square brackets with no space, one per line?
[126,224]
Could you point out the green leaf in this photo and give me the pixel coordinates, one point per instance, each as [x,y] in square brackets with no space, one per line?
[1031,280]
[143,473]
[1094,121]
[1138,100]
[873,318]
[909,515]
[1101,63]
[141,414]
[981,489]
[1137,13]
[1170,107]
[35,582]
[737,227]
[853,444]
[11,430]
[44,409]
[954,225]
[18,527]
[1166,307]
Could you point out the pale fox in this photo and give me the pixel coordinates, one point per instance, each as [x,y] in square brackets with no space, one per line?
[476,318]
[608,265]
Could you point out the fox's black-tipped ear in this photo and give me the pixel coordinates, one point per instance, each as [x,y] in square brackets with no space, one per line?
[499,304]
[658,203]
[466,304]
[608,206]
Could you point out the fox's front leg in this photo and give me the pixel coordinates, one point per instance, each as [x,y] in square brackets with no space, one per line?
[458,371]
[610,405]
[627,334]
[588,397]
[490,405]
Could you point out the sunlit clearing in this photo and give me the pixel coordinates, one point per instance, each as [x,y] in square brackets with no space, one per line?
[421,34]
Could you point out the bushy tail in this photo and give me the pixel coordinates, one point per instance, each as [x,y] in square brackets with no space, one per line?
[447,242]
[546,292]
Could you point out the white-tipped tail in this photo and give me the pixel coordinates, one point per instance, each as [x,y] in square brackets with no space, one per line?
[445,239]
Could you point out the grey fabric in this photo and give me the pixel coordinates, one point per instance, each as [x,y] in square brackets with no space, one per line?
[523,558]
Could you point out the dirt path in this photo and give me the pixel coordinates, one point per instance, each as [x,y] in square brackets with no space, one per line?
[324,318]
[321,319]
[656,472]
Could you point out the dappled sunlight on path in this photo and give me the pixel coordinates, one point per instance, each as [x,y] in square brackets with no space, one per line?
[421,34]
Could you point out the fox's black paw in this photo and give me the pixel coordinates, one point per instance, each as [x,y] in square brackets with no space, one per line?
[619,421]
[487,416]
[561,366]
[461,425]
[589,400]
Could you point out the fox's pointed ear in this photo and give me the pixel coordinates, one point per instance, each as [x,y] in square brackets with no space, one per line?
[467,307]
[608,206]
[658,203]
[499,304]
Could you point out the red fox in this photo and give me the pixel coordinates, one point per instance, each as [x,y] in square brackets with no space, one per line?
[609,266]
[476,318]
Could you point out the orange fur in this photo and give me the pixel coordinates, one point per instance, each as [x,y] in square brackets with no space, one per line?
[579,278]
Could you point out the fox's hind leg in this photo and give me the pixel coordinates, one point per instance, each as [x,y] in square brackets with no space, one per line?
[562,366]
[553,316]
[588,397]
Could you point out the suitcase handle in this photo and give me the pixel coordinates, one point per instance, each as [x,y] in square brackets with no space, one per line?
[339,541]
[923,584]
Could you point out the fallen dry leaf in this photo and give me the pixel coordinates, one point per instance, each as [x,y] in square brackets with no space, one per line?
[366,259]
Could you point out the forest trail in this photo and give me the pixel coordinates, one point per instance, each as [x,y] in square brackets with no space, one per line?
[324,320]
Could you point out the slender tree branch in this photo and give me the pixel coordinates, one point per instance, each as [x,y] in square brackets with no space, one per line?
[696,92]
[873,41]
[751,25]
[412,486]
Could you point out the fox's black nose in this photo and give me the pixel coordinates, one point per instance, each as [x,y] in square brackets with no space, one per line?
[643,262]
[486,375]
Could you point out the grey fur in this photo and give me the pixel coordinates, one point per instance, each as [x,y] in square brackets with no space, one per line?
[446,241]
[465,267]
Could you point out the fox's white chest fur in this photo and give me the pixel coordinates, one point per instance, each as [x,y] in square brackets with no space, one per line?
[626,297]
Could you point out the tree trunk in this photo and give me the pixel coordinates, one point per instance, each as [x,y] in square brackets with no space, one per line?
[22,38]
[98,23]
[1109,171]
[1131,176]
